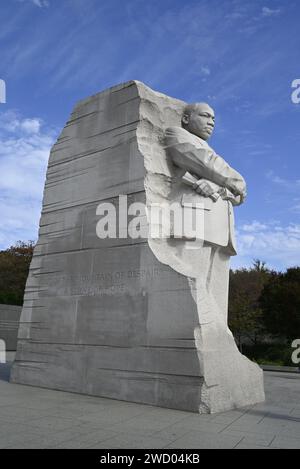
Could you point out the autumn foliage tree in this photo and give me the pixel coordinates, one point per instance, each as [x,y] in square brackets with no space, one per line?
[14,267]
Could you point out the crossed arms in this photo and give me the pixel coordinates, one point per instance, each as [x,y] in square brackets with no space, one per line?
[204,163]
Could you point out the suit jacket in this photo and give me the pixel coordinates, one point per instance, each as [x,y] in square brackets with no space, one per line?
[190,153]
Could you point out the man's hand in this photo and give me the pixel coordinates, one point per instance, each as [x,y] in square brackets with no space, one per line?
[238,187]
[205,188]
[226,194]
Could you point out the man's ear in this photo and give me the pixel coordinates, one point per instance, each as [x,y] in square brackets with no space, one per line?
[185,119]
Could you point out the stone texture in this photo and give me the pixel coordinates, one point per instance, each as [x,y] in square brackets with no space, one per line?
[120,318]
[9,324]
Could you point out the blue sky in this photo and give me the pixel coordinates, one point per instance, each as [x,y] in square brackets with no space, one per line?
[240,56]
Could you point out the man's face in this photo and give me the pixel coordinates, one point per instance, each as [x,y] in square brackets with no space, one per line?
[201,121]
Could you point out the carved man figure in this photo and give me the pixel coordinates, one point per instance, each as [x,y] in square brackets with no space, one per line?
[202,176]
[219,186]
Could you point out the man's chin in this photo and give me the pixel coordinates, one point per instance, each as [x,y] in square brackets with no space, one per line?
[205,136]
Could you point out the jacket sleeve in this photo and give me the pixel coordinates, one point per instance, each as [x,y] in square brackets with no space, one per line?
[203,162]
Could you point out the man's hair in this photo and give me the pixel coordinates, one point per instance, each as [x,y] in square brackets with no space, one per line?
[191,108]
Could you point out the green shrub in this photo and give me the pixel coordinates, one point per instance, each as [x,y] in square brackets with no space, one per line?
[269,354]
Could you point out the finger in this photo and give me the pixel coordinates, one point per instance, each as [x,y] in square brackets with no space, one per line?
[205,187]
[200,191]
[204,192]
[209,190]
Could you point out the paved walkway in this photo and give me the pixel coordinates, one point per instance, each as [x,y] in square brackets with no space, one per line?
[32,417]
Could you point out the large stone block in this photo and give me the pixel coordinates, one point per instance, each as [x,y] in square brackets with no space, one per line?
[117,317]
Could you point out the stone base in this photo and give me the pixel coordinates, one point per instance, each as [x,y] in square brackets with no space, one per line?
[80,369]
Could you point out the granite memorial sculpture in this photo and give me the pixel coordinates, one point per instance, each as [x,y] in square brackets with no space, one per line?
[138,319]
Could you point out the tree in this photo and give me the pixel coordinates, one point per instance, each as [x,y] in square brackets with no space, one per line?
[280,303]
[244,310]
[14,267]
[259,266]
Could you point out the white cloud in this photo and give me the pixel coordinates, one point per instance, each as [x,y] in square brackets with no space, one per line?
[41,3]
[270,12]
[254,226]
[38,3]
[31,126]
[292,185]
[24,151]
[11,122]
[273,242]
[205,71]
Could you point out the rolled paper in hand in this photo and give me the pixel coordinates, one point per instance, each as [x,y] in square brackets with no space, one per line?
[190,180]
[227,195]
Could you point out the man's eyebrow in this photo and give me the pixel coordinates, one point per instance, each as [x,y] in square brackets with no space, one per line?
[205,113]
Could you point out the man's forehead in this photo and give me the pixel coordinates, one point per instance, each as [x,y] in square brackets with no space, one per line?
[203,107]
